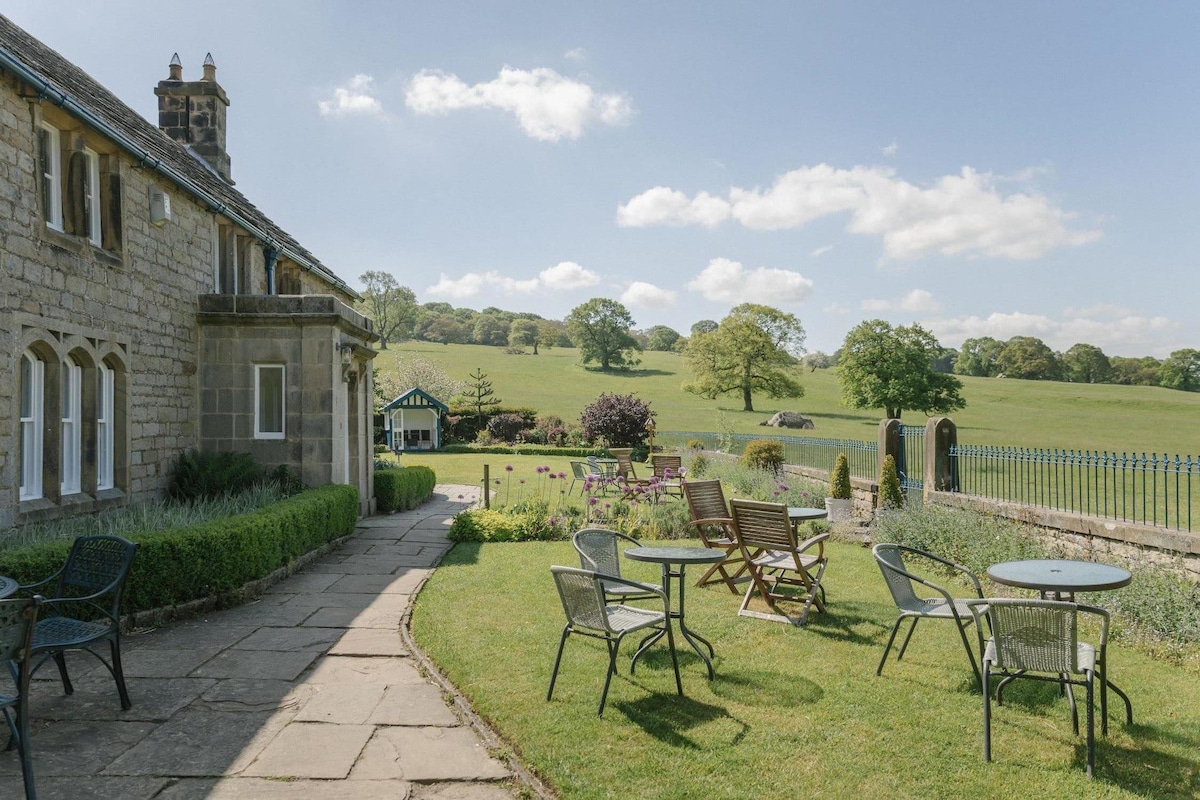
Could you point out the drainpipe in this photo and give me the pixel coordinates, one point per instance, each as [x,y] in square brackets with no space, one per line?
[270,256]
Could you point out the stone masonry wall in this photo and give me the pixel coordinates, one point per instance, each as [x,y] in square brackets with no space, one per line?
[143,298]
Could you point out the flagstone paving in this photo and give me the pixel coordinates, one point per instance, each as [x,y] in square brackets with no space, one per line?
[307,692]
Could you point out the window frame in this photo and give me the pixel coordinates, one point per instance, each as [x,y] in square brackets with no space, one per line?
[91,197]
[71,403]
[31,458]
[106,383]
[50,151]
[259,432]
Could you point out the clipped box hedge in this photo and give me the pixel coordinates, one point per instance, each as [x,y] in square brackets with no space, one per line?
[528,450]
[213,558]
[403,488]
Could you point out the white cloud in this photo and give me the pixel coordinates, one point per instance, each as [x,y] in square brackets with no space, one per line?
[891,149]
[352,99]
[563,276]
[663,206]
[917,301]
[820,251]
[728,281]
[963,214]
[567,275]
[575,54]
[1128,334]
[547,105]
[646,295]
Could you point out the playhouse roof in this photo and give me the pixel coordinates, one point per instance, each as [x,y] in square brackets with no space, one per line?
[415,398]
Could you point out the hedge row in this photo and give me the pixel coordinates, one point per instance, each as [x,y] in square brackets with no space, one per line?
[529,450]
[403,488]
[213,558]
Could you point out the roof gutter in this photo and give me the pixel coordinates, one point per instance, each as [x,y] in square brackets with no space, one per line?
[63,100]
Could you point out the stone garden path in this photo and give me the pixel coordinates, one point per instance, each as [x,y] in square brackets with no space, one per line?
[308,692]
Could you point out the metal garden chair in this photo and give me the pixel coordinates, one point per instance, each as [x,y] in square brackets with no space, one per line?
[85,608]
[579,472]
[17,619]
[782,569]
[583,594]
[710,514]
[900,581]
[1039,640]
[600,551]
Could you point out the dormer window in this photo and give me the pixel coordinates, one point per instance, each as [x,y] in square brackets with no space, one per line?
[50,168]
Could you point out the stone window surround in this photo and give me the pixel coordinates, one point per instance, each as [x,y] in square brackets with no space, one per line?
[52,349]
[104,217]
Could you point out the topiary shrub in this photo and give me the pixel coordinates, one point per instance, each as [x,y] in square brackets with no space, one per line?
[695,444]
[618,419]
[839,479]
[506,427]
[890,494]
[763,454]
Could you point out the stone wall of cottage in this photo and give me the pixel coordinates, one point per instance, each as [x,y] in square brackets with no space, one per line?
[141,301]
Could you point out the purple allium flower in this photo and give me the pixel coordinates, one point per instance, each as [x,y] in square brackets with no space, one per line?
[783,487]
[508,467]
[497,481]
[593,501]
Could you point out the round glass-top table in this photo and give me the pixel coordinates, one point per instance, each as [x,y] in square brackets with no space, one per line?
[7,587]
[681,557]
[798,514]
[1061,578]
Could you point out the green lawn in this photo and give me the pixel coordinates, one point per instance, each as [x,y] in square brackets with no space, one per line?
[795,711]
[999,411]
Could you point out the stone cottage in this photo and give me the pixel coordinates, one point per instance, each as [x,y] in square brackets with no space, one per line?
[147,307]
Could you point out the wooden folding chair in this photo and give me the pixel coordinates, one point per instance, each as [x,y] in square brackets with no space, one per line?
[668,472]
[706,502]
[782,570]
[628,482]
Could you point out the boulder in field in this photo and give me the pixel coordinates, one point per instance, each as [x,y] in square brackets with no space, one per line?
[789,419]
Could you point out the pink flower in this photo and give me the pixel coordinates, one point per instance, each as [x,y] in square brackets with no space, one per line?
[508,467]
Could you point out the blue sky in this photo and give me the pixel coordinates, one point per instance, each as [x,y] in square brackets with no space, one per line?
[983,169]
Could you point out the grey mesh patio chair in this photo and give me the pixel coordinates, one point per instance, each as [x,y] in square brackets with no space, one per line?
[782,569]
[588,613]
[17,618]
[600,551]
[1039,640]
[900,581]
[710,518]
[84,607]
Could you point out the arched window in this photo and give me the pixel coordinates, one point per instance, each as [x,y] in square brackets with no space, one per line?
[104,427]
[70,398]
[32,395]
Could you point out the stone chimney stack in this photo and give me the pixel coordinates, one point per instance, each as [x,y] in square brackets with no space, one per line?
[193,113]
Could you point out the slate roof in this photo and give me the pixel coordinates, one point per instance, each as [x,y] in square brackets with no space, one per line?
[67,79]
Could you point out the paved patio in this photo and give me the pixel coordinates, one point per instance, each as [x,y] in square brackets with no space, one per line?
[308,692]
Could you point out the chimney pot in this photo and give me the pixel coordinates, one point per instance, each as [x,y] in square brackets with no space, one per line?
[175,69]
[210,68]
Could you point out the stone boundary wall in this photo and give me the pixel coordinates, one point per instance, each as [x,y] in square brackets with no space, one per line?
[1093,538]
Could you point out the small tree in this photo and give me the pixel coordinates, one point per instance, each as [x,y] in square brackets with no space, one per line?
[620,419]
[839,479]
[890,495]
[479,394]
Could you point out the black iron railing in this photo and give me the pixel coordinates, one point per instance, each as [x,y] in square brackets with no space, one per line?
[1152,489]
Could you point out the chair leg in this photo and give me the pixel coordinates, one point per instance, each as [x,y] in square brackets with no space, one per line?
[987,716]
[1074,710]
[1091,734]
[887,649]
[674,658]
[612,667]
[24,746]
[557,660]
[970,656]
[119,672]
[907,636]
[60,658]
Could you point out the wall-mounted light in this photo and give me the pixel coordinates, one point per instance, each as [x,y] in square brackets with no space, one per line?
[160,207]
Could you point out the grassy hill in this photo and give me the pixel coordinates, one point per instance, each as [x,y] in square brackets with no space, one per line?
[999,411]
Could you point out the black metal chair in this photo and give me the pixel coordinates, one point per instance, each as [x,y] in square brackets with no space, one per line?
[85,608]
[17,619]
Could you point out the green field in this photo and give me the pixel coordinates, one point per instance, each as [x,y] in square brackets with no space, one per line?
[999,411]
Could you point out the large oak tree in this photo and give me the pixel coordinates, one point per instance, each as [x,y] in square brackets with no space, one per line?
[600,328]
[892,368]
[752,349]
